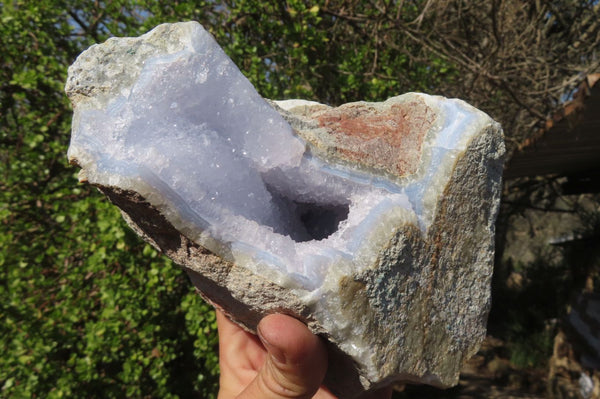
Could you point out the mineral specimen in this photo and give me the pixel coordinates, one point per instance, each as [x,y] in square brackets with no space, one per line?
[371,222]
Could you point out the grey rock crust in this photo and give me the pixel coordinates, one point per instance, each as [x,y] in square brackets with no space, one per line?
[420,310]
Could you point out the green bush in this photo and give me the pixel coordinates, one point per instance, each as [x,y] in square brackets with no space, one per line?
[86,308]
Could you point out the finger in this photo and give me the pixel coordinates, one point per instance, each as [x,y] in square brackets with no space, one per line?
[296,361]
[225,326]
[232,336]
[240,352]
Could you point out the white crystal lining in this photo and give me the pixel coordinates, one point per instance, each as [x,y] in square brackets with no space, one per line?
[194,137]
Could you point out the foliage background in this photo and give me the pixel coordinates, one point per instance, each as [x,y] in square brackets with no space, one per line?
[86,308]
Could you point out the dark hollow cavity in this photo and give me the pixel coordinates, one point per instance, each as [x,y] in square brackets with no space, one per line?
[306,220]
[319,220]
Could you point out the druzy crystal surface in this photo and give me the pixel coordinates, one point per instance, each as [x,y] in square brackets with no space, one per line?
[316,211]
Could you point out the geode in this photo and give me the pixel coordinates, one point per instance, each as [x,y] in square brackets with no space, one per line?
[371,222]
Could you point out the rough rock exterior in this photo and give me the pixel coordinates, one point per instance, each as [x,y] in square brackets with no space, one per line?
[411,304]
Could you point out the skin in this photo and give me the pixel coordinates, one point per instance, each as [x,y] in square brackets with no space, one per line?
[284,361]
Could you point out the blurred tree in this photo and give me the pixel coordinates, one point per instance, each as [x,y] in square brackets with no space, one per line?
[517,60]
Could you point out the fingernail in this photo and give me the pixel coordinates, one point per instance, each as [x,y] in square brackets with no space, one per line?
[277,353]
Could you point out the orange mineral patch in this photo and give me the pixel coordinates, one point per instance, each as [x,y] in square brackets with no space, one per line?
[388,140]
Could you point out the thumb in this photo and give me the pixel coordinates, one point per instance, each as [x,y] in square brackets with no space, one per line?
[295,364]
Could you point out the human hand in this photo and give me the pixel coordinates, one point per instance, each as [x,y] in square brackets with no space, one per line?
[284,361]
